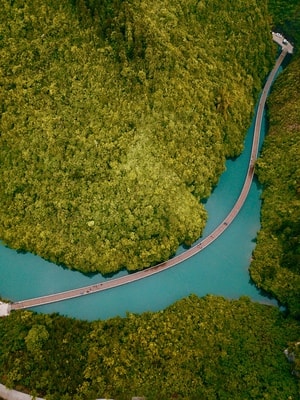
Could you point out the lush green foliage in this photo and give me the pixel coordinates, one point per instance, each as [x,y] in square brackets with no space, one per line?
[116,121]
[45,354]
[276,265]
[114,124]
[198,348]
[206,349]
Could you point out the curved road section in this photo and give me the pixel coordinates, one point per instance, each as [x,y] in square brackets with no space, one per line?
[52,298]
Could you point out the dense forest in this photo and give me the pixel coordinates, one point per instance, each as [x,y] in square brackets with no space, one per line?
[117,118]
[208,348]
[276,265]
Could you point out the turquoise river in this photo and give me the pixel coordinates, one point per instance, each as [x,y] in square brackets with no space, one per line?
[221,269]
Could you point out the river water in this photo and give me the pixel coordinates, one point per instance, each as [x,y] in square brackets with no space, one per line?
[220,269]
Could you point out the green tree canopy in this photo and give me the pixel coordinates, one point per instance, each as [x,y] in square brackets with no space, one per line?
[116,120]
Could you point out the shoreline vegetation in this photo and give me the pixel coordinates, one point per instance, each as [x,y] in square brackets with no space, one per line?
[204,348]
[208,348]
[276,260]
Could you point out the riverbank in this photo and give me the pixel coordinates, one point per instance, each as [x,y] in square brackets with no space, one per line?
[100,359]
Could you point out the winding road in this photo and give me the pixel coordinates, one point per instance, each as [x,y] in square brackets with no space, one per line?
[52,298]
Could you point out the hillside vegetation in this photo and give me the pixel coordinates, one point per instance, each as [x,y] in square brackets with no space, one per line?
[116,120]
[206,349]
[276,264]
